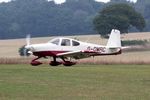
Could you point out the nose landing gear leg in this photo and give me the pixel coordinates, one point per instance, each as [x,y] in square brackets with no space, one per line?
[35,63]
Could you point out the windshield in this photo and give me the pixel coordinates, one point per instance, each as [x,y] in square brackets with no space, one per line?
[55,41]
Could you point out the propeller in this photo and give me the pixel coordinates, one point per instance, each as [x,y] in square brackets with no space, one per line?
[28,39]
[27,46]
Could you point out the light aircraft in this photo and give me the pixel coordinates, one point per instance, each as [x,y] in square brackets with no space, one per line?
[68,49]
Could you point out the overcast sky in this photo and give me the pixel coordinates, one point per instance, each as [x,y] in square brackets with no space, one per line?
[61,1]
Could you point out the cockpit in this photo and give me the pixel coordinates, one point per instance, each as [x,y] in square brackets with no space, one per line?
[64,42]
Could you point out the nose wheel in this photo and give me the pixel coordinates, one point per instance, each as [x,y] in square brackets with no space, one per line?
[35,63]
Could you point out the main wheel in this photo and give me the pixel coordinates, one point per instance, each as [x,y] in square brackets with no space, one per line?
[55,63]
[68,63]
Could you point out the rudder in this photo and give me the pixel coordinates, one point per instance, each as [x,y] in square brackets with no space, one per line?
[114,40]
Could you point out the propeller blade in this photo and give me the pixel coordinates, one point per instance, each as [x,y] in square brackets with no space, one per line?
[28,39]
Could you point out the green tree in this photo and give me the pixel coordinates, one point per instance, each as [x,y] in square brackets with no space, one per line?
[119,16]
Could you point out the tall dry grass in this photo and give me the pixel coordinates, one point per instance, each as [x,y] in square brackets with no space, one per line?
[14,60]
[110,61]
[139,57]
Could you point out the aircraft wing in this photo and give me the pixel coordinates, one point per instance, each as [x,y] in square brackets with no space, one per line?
[77,54]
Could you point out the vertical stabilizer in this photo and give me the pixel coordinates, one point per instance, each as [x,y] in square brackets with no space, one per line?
[114,40]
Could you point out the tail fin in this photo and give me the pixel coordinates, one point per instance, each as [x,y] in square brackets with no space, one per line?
[114,39]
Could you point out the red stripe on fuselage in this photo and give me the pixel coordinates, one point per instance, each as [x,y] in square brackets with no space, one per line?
[47,53]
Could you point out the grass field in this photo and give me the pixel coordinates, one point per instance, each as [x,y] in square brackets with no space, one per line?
[80,82]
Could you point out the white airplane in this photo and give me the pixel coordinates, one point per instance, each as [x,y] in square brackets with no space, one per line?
[67,49]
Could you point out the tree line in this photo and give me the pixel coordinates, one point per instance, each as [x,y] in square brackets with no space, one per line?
[45,18]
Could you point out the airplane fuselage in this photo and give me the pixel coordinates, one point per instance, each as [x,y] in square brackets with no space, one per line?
[49,49]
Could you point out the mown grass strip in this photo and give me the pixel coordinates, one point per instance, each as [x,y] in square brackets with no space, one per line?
[80,82]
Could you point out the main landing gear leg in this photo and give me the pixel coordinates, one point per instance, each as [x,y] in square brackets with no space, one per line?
[67,63]
[54,62]
[35,63]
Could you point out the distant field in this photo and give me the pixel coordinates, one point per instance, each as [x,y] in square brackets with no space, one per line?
[81,82]
[9,48]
